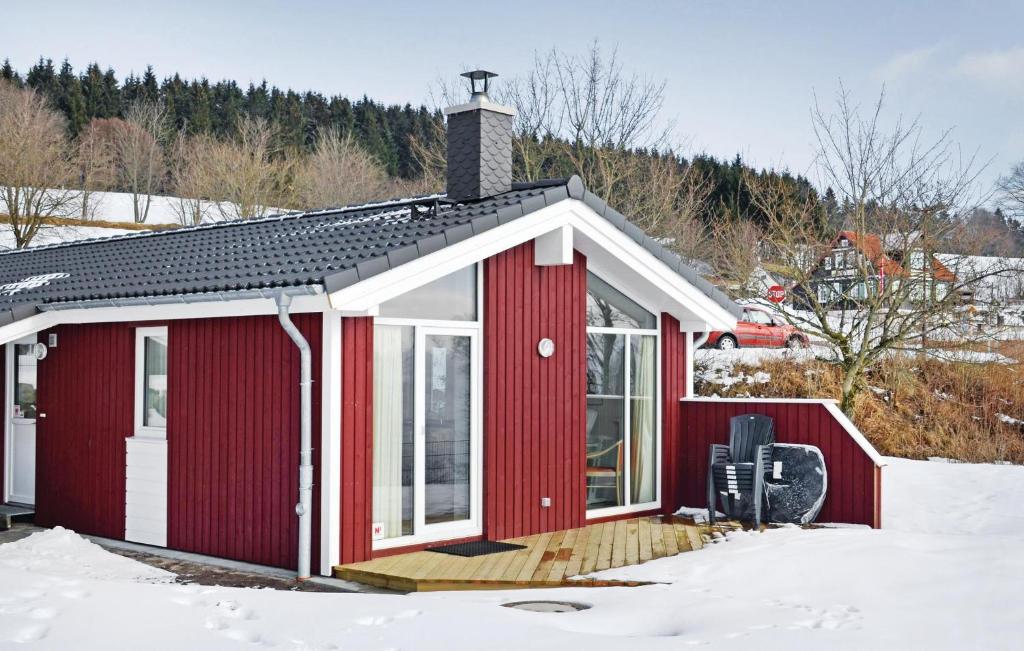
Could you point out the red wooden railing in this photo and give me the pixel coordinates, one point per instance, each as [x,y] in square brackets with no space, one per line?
[854,466]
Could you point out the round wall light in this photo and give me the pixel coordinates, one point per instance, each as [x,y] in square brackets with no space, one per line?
[546,347]
[39,351]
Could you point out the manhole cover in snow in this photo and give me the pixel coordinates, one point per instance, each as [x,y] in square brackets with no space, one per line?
[547,606]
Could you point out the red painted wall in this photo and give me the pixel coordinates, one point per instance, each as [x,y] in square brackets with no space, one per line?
[854,482]
[233,438]
[673,387]
[534,408]
[232,431]
[86,390]
[3,426]
[356,438]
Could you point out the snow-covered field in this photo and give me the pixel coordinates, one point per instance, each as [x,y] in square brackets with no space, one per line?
[945,573]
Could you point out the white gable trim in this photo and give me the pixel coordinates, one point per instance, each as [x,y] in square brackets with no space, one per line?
[592,235]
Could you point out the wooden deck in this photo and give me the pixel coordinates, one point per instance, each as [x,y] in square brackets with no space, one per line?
[549,560]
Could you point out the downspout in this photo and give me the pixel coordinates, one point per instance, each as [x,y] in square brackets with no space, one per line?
[304,508]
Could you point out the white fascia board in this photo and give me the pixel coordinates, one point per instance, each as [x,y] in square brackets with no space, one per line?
[367,294]
[24,327]
[161,312]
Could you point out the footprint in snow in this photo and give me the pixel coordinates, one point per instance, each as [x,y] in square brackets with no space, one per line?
[373,620]
[31,633]
[75,593]
[241,635]
[42,613]
[234,610]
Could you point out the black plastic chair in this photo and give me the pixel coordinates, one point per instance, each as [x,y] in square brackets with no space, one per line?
[736,471]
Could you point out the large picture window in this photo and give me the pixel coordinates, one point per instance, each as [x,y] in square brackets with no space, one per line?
[622,393]
[426,447]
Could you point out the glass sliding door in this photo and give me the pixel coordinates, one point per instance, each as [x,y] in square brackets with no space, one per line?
[606,417]
[426,451]
[622,402]
[447,426]
[642,418]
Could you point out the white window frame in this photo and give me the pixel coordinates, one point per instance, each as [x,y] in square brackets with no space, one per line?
[10,359]
[422,532]
[141,430]
[628,507]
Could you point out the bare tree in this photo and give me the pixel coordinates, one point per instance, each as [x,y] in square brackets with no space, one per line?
[1011,189]
[904,196]
[249,178]
[192,169]
[36,164]
[96,165]
[339,172]
[139,154]
[586,115]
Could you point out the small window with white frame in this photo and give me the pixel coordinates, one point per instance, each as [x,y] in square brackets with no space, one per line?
[151,382]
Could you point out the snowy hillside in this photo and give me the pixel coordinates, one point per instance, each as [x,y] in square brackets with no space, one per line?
[944,573]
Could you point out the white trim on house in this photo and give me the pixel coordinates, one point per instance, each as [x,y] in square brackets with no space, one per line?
[330,445]
[688,364]
[162,312]
[610,253]
[833,408]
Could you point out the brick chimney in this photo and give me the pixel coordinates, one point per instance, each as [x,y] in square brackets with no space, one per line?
[479,143]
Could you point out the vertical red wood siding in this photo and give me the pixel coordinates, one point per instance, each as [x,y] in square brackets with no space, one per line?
[233,438]
[854,481]
[534,408]
[673,388]
[86,389]
[3,426]
[356,438]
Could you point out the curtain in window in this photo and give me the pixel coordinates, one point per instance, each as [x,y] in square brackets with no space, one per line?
[387,429]
[642,417]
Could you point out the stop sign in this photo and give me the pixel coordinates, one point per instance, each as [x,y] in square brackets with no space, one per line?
[776,293]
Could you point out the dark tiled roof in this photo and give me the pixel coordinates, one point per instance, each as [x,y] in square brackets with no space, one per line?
[333,248]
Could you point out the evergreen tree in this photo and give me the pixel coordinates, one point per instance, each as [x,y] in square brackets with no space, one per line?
[200,120]
[70,99]
[111,94]
[150,87]
[8,73]
[43,78]
[93,89]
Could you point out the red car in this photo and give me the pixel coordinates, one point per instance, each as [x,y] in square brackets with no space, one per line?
[758,329]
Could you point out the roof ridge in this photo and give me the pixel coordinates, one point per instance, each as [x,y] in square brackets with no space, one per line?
[229,223]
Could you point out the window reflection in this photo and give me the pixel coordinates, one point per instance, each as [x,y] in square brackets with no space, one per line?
[451,298]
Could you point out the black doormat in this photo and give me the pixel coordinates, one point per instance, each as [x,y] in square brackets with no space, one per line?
[478,548]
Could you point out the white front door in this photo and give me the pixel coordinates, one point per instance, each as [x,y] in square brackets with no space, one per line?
[21,421]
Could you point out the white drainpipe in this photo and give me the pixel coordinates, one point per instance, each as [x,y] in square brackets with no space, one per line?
[304,508]
[701,340]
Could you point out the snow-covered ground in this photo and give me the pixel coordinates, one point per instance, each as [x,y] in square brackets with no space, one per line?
[944,573]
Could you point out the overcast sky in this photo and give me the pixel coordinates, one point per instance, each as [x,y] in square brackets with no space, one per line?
[741,75]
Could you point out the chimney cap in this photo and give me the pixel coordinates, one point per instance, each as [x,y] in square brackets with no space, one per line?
[481,76]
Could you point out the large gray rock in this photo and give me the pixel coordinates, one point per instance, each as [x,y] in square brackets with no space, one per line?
[795,484]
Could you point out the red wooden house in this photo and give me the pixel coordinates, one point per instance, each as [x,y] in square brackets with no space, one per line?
[317,388]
